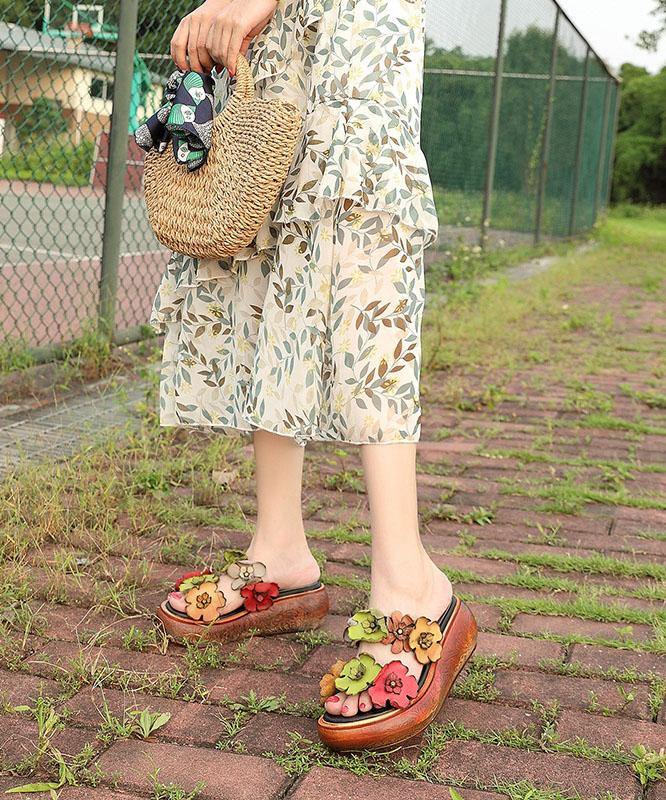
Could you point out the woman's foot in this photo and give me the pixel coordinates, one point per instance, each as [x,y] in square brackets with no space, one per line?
[293,569]
[428,595]
[290,570]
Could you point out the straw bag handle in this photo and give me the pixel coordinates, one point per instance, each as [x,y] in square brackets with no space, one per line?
[244,79]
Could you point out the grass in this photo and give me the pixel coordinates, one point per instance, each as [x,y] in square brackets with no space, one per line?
[89,531]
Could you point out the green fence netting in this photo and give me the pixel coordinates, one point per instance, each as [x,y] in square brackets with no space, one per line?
[518,128]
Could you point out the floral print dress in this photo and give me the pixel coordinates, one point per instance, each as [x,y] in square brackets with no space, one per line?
[313,331]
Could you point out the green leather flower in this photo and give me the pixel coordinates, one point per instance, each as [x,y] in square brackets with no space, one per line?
[357,674]
[367,626]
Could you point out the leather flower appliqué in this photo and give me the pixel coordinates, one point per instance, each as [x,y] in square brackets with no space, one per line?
[357,674]
[204,601]
[190,579]
[425,640]
[259,596]
[367,626]
[327,683]
[244,572]
[399,630]
[394,685]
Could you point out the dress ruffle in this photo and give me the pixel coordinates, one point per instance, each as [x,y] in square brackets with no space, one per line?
[355,149]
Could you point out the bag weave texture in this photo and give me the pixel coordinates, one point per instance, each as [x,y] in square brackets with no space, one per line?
[216,210]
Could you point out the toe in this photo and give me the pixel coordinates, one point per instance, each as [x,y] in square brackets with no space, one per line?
[334,703]
[364,702]
[350,706]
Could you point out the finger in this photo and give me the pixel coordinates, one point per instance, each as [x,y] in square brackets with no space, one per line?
[192,40]
[202,50]
[334,704]
[350,706]
[212,39]
[233,48]
[223,44]
[364,702]
[178,45]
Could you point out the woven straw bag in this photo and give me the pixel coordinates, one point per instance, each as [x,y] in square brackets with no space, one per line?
[216,210]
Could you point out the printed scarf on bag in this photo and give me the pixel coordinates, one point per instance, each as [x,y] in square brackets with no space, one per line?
[186,117]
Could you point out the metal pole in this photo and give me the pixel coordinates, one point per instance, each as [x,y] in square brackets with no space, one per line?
[545,148]
[115,176]
[601,162]
[611,161]
[579,144]
[493,132]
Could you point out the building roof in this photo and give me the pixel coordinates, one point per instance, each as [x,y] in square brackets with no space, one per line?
[18,39]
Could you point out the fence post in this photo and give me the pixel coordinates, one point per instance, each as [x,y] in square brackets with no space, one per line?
[601,163]
[494,126]
[545,148]
[579,143]
[611,161]
[115,176]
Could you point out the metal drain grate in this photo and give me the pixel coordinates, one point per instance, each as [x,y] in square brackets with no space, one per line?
[58,431]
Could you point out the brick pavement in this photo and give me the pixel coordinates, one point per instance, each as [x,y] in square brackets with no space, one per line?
[567,678]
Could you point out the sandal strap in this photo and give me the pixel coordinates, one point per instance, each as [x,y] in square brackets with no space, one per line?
[197,594]
[403,633]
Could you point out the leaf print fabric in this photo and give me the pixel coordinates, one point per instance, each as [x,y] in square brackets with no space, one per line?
[314,330]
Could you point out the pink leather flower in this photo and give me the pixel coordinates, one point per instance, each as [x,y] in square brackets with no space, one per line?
[394,685]
[259,596]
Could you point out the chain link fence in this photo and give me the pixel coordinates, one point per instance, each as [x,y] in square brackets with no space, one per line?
[519,120]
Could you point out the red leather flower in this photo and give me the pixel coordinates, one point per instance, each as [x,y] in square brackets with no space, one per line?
[394,685]
[259,596]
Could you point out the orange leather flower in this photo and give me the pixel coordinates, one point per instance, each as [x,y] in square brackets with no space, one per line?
[204,602]
[399,629]
[425,640]
[327,683]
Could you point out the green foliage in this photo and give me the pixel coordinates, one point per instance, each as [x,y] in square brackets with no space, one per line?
[649,766]
[49,161]
[640,165]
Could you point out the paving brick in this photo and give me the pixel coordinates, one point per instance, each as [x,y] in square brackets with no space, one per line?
[516,649]
[657,791]
[56,655]
[566,626]
[319,661]
[190,723]
[68,793]
[482,763]
[337,784]
[273,732]
[487,717]
[611,658]
[227,776]
[19,688]
[19,738]
[578,693]
[607,731]
[487,616]
[236,683]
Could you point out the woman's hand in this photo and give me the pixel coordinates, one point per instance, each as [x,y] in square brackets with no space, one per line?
[216,32]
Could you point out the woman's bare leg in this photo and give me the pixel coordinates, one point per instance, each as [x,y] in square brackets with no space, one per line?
[279,539]
[403,576]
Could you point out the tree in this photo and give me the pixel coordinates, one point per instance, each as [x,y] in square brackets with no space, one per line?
[640,164]
[649,40]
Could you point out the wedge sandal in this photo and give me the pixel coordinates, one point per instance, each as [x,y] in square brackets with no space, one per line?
[194,610]
[402,704]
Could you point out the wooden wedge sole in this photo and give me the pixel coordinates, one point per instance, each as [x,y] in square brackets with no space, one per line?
[290,612]
[387,728]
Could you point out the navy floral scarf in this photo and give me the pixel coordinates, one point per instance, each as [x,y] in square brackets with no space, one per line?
[185,118]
